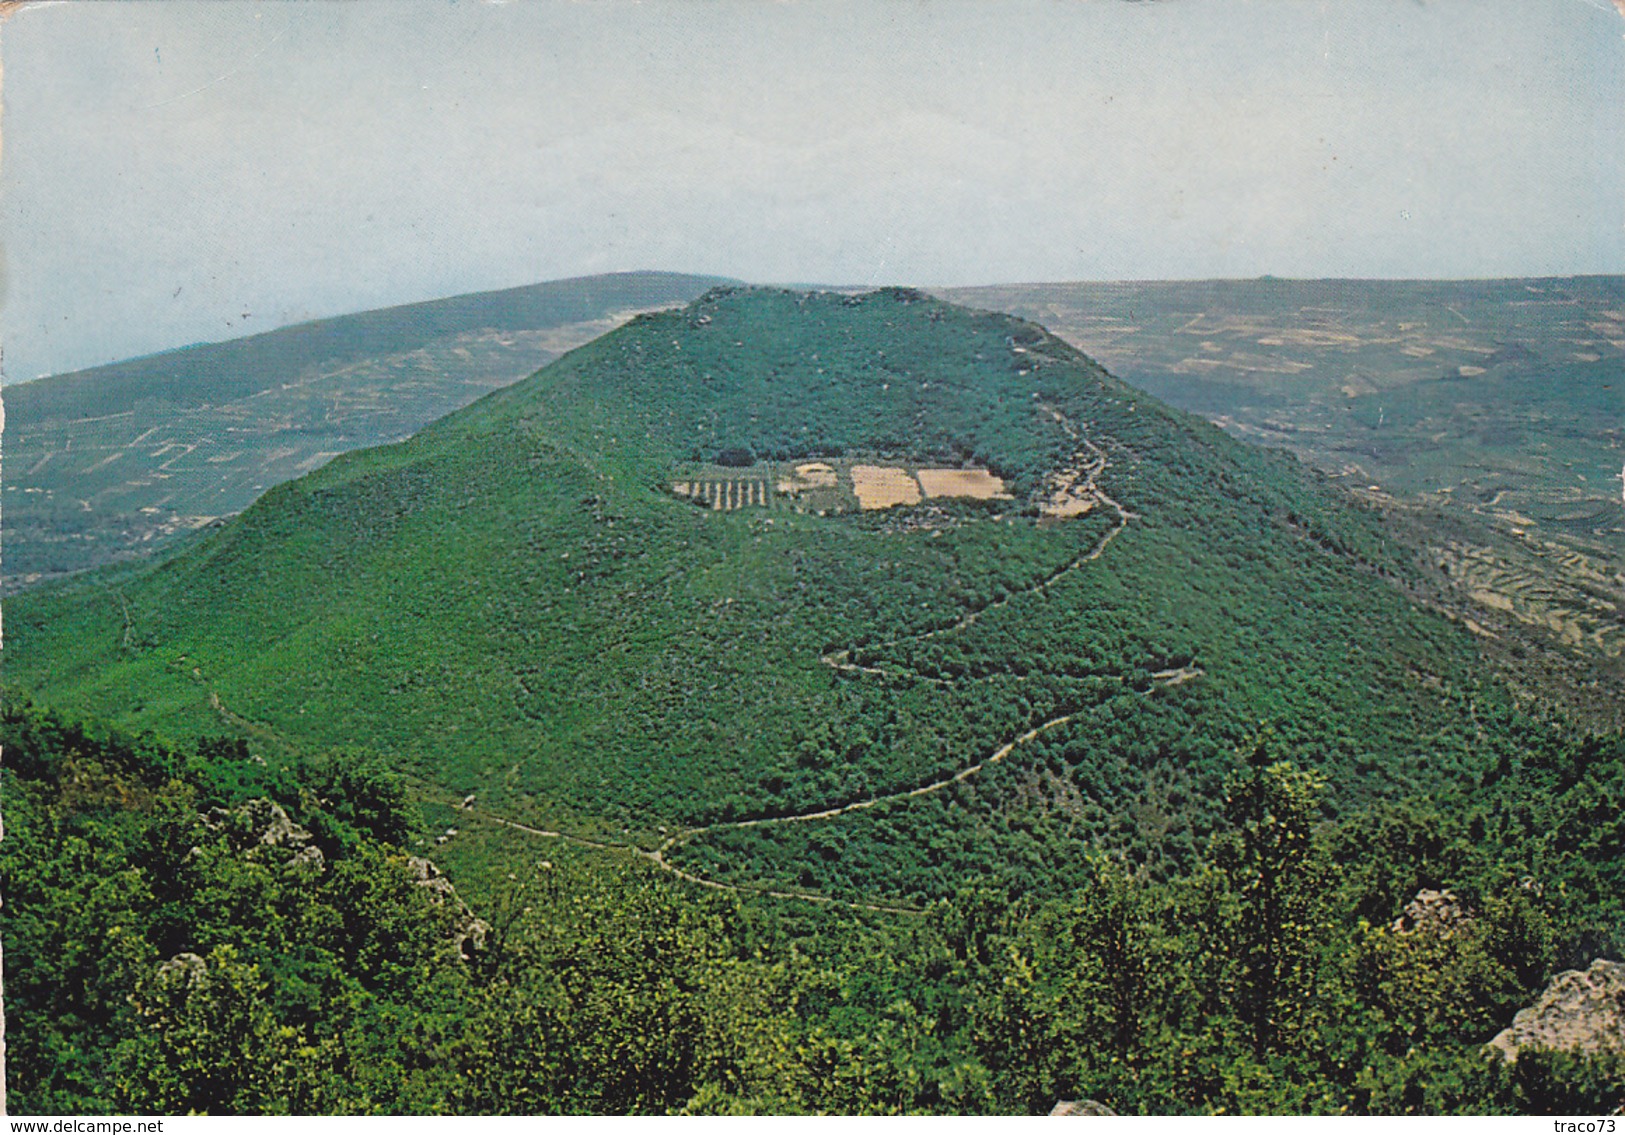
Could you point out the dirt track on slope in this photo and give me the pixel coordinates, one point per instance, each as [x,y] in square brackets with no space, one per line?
[1093,463]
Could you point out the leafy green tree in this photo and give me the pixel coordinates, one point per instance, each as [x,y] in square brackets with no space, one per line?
[208,1040]
[358,791]
[1450,981]
[1062,1015]
[1269,918]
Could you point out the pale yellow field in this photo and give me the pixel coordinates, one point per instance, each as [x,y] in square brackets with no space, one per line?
[817,484]
[878,487]
[811,475]
[976,483]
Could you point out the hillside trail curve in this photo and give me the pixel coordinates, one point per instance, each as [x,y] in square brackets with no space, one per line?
[1094,463]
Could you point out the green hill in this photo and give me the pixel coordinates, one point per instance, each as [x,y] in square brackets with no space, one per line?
[110,462]
[633,651]
[525,602]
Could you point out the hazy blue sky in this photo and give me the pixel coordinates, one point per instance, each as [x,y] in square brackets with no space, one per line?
[175,172]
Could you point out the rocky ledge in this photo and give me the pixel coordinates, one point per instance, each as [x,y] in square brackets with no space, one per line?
[1578,1011]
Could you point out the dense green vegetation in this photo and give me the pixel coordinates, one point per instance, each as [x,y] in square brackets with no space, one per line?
[513,606]
[169,948]
[510,603]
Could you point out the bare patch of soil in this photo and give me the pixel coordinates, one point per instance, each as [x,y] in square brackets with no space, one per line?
[978,484]
[877,486]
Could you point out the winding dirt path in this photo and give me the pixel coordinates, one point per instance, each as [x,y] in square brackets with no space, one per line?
[1095,463]
[128,629]
[842,659]
[658,855]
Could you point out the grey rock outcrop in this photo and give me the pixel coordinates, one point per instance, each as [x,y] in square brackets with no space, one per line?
[431,878]
[1433,911]
[183,969]
[260,825]
[275,827]
[307,859]
[1081,1107]
[1578,1011]
[470,932]
[260,821]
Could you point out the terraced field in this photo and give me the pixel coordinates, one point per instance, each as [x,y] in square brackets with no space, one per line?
[827,488]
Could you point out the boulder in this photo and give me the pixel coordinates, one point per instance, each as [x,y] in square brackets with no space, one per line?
[427,875]
[259,822]
[469,932]
[275,827]
[1433,911]
[1578,1011]
[186,969]
[308,859]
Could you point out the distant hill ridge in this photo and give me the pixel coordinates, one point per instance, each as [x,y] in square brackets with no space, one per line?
[113,462]
[217,372]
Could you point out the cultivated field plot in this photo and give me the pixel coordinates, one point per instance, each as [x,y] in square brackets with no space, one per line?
[977,484]
[833,486]
[1574,599]
[724,494]
[883,486]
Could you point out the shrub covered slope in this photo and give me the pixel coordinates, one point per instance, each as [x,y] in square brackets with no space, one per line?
[513,604]
[188,929]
